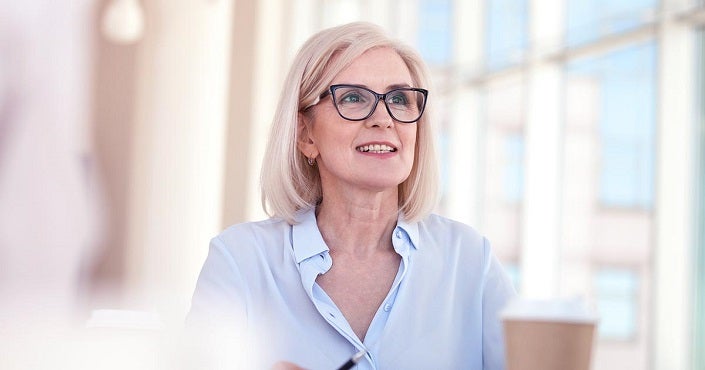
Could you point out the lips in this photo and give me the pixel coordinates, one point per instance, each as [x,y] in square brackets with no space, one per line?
[376,148]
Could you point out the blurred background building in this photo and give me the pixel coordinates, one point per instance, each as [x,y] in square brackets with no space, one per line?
[571,132]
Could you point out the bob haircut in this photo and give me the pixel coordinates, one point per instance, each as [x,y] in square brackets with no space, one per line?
[288,183]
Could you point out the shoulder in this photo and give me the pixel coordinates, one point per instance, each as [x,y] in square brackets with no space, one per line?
[451,237]
[252,230]
[252,236]
[439,227]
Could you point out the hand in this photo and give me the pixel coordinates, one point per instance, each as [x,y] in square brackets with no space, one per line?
[284,365]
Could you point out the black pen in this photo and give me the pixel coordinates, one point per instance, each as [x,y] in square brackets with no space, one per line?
[353,360]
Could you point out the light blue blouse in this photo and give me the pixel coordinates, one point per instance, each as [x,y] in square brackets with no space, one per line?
[259,284]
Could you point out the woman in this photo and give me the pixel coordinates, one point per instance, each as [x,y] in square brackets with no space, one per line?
[351,260]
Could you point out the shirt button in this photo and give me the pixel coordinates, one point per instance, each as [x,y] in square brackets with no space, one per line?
[398,234]
[387,307]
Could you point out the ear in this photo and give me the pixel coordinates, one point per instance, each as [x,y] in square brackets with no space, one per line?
[305,141]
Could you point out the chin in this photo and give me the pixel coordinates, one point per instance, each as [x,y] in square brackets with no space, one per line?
[381,186]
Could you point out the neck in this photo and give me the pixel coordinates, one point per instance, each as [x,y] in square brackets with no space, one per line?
[359,224]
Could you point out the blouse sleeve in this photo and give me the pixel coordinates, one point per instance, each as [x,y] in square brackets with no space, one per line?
[498,291]
[216,324]
[219,293]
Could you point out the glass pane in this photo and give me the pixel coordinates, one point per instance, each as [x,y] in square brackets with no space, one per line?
[607,195]
[506,33]
[435,31]
[503,167]
[514,272]
[617,301]
[513,166]
[699,276]
[625,113]
[588,20]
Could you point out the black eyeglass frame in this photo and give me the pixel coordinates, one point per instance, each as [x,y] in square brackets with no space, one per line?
[383,97]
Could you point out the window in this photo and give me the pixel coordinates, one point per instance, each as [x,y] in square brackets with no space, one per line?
[514,272]
[626,116]
[435,33]
[513,166]
[503,164]
[608,182]
[617,301]
[507,32]
[699,267]
[588,20]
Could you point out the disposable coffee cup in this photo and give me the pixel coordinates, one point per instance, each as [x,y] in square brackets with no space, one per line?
[548,334]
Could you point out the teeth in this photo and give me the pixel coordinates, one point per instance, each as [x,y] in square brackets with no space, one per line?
[376,148]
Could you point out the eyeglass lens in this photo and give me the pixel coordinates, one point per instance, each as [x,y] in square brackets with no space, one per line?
[357,103]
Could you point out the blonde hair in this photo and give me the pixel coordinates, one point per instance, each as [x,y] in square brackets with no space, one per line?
[288,183]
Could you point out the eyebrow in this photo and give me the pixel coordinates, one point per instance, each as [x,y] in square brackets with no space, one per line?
[388,88]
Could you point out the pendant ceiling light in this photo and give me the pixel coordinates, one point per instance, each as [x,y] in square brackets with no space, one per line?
[123,21]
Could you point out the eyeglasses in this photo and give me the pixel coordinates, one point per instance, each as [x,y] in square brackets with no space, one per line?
[356,103]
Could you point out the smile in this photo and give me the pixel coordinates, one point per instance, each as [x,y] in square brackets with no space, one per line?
[375,148]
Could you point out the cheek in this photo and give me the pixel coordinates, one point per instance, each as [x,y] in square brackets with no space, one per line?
[410,137]
[331,141]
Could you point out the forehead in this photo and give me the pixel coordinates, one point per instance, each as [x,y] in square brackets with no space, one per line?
[376,68]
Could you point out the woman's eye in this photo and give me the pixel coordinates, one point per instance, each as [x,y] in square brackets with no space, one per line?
[351,98]
[351,95]
[398,99]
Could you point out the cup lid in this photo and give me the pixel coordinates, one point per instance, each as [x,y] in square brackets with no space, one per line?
[573,310]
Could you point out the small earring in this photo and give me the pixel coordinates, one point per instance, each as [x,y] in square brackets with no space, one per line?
[311,161]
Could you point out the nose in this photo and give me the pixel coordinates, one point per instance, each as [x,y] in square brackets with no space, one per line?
[380,117]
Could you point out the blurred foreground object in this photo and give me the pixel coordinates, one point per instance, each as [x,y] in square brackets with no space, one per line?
[49,209]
